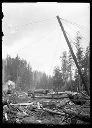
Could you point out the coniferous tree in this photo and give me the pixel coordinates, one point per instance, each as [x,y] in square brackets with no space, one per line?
[18,71]
[64,68]
[79,56]
[86,66]
[69,69]
[57,79]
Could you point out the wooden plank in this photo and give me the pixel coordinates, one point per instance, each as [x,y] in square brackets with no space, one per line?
[22,104]
[53,111]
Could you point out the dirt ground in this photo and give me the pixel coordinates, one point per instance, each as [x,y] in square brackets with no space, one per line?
[30,114]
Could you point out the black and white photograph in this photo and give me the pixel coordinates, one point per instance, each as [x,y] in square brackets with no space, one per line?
[46,63]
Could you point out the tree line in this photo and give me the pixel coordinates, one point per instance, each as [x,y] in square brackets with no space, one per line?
[65,77]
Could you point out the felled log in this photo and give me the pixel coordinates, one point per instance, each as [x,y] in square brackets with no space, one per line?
[52,97]
[79,101]
[50,104]
[63,102]
[82,117]
[21,104]
[53,111]
[85,96]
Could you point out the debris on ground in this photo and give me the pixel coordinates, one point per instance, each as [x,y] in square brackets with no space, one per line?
[62,108]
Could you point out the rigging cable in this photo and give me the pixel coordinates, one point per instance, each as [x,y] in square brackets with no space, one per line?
[75,24]
[33,22]
[83,35]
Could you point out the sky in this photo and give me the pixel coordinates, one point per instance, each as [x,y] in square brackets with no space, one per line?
[32,31]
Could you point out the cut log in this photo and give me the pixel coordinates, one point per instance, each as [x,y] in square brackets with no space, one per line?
[52,97]
[53,111]
[82,117]
[78,96]
[85,96]
[78,101]
[50,104]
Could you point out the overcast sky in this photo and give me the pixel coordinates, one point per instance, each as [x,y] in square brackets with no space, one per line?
[31,30]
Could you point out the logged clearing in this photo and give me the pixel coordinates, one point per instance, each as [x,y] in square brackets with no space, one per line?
[64,108]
